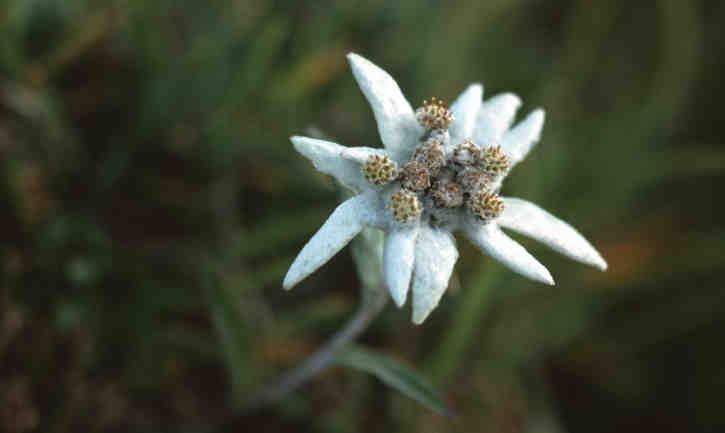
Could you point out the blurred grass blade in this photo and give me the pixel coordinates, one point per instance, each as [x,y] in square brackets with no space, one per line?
[395,375]
[229,325]
[472,306]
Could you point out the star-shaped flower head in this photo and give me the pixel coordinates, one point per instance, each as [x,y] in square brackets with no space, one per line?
[440,172]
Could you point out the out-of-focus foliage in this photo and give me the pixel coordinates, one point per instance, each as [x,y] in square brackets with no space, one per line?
[151,203]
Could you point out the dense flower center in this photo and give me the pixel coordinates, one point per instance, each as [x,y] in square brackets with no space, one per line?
[441,174]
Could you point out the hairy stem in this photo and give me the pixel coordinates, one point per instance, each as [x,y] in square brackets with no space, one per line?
[372,304]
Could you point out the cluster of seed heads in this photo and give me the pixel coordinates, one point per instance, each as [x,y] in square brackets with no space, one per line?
[463,175]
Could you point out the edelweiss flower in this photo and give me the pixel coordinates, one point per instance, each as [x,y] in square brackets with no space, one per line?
[440,172]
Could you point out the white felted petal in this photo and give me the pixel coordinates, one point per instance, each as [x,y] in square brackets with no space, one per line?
[340,162]
[518,141]
[495,117]
[398,259]
[435,256]
[398,128]
[498,245]
[339,229]
[360,154]
[529,219]
[465,111]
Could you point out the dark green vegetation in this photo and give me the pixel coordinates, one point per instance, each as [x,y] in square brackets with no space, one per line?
[151,202]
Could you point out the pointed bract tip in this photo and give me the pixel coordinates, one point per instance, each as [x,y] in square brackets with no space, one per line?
[418,319]
[601,264]
[539,114]
[548,279]
[421,314]
[289,282]
[398,299]
[471,96]
[596,260]
[507,99]
[300,143]
[354,58]
[478,87]
[544,276]
[296,139]
[362,68]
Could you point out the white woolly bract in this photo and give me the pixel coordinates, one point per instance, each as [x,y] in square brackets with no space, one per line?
[420,254]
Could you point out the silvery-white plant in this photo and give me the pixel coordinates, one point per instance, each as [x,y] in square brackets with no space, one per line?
[440,172]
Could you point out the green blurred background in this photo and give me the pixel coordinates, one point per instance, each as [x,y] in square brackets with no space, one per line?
[151,203]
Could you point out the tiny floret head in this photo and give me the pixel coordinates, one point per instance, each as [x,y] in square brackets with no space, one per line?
[447,194]
[434,114]
[431,155]
[494,161]
[415,176]
[485,204]
[466,153]
[473,178]
[405,206]
[380,169]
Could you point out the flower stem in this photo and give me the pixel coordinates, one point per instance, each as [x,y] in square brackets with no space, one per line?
[372,304]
